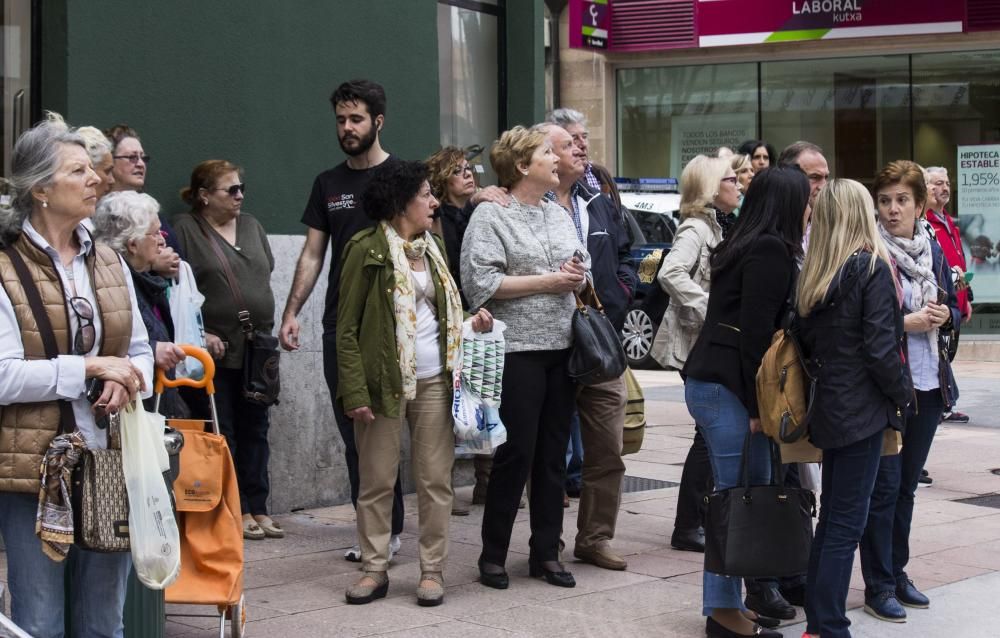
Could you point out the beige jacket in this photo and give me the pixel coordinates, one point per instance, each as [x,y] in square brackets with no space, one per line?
[686,276]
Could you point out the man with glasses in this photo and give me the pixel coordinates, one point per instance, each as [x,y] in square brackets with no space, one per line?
[333,214]
[950,238]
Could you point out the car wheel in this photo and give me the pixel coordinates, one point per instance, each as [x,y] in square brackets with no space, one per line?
[637,338]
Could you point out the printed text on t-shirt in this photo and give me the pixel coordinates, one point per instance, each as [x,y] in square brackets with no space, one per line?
[339,202]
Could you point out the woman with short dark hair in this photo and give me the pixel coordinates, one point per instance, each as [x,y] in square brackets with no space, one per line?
[930,311]
[753,270]
[399,336]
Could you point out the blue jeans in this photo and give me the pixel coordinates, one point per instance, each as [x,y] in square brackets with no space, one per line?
[848,479]
[37,589]
[885,547]
[574,455]
[724,422]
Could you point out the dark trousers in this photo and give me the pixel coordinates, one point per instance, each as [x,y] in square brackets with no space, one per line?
[346,427]
[696,484]
[245,425]
[848,479]
[535,406]
[885,547]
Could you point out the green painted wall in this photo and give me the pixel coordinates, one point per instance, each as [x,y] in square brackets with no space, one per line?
[249,81]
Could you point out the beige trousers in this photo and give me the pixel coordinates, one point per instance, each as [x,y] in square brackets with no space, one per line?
[602,422]
[432,448]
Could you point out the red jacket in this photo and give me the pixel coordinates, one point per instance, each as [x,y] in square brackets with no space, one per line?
[950,239]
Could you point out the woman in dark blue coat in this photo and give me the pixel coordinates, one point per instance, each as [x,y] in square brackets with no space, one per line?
[851,329]
[930,312]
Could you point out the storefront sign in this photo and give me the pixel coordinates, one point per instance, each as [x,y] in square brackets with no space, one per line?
[978,186]
[692,135]
[589,22]
[729,22]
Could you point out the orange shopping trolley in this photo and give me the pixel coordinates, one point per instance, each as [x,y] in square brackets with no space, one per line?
[208,511]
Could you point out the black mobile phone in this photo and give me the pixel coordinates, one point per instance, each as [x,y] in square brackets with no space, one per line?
[579,255]
[95,388]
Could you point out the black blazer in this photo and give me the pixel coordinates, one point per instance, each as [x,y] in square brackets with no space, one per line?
[745,307]
[614,277]
[853,340]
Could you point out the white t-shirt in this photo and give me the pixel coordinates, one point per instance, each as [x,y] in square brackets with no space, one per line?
[428,347]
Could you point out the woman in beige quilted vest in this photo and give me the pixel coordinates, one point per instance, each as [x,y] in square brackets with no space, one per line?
[67,323]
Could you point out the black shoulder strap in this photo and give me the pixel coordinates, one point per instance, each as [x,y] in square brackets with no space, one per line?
[67,422]
[241,307]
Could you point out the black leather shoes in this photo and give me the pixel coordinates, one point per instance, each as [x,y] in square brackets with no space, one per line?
[910,596]
[766,621]
[494,576]
[715,630]
[558,576]
[688,540]
[795,595]
[767,601]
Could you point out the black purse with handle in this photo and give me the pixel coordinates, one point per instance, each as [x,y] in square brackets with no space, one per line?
[759,530]
[597,348]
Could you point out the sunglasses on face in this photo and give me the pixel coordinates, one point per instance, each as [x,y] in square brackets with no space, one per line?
[133,158]
[731,180]
[461,170]
[83,340]
[232,190]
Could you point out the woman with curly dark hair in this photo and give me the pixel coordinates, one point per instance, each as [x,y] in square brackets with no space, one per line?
[400,307]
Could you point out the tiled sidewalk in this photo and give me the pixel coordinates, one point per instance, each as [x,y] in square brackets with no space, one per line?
[295,586]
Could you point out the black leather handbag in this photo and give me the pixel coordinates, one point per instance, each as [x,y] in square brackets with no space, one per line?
[759,530]
[597,348]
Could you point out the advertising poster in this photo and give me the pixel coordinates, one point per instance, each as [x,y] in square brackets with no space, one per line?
[978,185]
[729,22]
[589,23]
[692,135]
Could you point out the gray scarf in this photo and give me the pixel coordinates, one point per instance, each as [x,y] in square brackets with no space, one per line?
[914,259]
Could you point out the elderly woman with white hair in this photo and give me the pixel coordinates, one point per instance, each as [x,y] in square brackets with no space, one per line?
[69,323]
[129,223]
[99,150]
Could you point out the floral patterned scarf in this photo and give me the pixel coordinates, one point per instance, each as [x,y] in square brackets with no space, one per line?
[404,303]
[54,521]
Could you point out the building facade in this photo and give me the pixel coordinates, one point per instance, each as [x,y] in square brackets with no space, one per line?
[250,81]
[870,81]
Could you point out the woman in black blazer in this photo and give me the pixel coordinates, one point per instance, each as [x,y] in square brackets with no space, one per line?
[753,270]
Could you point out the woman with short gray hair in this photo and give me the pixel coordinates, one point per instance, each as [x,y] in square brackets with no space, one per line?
[70,336]
[129,223]
[99,148]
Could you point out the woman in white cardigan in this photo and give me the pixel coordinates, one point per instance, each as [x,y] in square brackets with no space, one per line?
[709,194]
[708,189]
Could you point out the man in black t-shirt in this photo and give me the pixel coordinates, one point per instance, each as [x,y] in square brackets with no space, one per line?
[334,214]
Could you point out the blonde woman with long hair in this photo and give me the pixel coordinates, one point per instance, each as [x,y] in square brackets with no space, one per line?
[850,325]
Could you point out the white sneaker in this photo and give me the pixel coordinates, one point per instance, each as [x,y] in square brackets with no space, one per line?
[394,545]
[353,554]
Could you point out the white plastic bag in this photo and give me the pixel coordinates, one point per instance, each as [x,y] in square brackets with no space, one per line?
[478,429]
[153,534]
[189,327]
[476,387]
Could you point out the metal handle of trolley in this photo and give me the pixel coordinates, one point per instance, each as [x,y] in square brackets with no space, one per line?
[205,382]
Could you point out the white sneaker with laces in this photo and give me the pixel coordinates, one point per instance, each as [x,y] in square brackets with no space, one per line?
[394,545]
[353,554]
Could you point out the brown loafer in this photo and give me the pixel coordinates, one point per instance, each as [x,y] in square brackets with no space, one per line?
[361,593]
[600,555]
[251,530]
[430,596]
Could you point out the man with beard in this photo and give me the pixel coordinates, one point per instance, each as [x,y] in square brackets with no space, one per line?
[334,214]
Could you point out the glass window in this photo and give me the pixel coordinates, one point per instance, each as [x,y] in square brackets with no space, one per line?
[856,109]
[15,65]
[468,73]
[956,103]
[667,115]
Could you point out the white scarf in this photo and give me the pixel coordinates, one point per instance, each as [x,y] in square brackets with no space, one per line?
[915,261]
[405,306]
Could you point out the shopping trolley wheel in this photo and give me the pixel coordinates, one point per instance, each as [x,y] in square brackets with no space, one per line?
[237,617]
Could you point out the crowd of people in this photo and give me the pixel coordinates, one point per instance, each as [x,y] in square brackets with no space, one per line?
[417,249]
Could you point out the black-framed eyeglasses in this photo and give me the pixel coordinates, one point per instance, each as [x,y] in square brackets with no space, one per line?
[731,180]
[133,158]
[232,190]
[83,341]
[461,170]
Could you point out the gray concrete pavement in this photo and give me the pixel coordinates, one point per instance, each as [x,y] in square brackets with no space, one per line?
[295,586]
